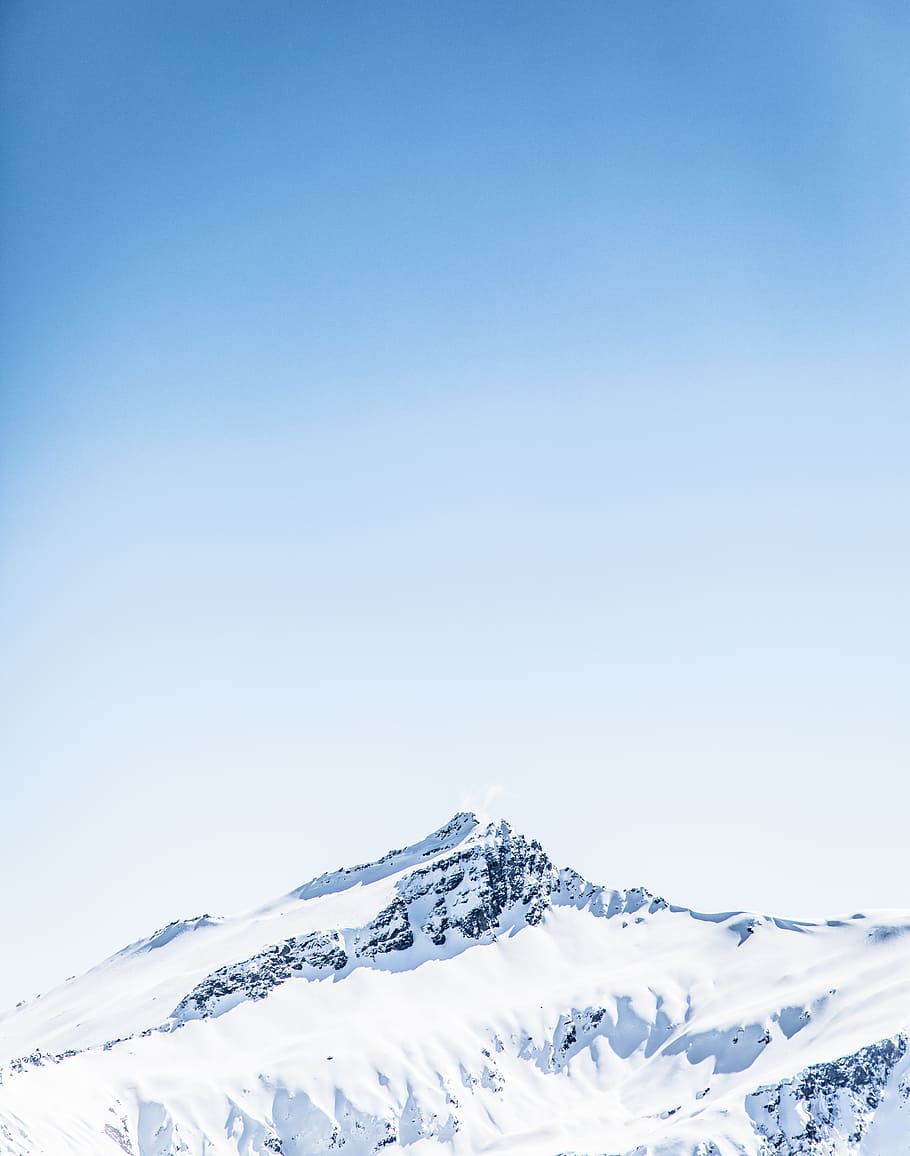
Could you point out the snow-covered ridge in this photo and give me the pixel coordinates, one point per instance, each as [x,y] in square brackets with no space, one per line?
[465,994]
[469,889]
[164,935]
[471,884]
[449,835]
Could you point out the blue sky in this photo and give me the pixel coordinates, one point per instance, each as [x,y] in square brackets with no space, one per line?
[406,402]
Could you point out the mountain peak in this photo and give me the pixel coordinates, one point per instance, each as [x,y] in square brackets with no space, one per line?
[439,994]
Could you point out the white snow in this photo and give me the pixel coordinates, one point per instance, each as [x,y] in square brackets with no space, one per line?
[644,1030]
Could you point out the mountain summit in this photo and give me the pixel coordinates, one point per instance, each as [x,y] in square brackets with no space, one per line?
[466,995]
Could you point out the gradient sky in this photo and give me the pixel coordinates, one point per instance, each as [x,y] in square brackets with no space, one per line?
[413,405]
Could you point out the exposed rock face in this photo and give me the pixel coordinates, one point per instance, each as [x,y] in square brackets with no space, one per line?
[389,931]
[530,1011]
[253,978]
[829,1108]
[480,889]
[502,880]
[499,881]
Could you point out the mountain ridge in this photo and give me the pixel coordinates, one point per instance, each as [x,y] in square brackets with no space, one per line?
[470,960]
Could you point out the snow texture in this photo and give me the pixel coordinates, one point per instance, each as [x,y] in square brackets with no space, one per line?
[465,995]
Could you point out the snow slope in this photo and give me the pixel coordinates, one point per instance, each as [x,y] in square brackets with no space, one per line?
[464,995]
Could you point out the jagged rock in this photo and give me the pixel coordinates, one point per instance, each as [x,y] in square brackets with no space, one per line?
[505,878]
[254,978]
[570,1002]
[389,931]
[826,1106]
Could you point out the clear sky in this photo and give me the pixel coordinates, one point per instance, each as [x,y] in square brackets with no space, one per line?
[408,404]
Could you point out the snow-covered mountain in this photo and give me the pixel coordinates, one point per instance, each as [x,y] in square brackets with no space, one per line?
[465,995]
